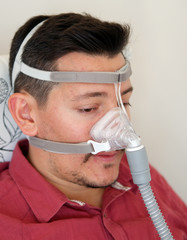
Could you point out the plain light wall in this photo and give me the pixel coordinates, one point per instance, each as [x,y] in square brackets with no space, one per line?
[158,42]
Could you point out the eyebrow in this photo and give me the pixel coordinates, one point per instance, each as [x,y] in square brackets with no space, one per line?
[130,89]
[98,94]
[88,95]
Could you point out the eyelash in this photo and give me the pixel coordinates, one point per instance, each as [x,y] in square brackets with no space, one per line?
[127,104]
[89,110]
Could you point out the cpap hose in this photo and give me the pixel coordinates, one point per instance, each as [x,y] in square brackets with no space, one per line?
[139,167]
[154,212]
[116,128]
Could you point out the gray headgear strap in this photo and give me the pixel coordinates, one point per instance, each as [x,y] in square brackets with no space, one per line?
[83,77]
[18,60]
[88,77]
[66,148]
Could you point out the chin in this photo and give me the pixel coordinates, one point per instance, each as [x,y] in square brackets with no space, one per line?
[103,181]
[101,185]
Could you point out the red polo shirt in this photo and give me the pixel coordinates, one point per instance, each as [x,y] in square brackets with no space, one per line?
[33,209]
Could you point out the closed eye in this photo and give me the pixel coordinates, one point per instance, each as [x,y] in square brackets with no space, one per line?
[87,110]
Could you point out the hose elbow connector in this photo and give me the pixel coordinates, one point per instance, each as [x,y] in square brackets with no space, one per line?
[138,164]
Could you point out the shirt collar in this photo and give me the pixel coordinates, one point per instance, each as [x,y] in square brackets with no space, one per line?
[43,198]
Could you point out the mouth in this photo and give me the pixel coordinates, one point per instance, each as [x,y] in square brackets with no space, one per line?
[106,156]
[106,153]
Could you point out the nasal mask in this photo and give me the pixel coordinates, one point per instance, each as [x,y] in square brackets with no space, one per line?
[112,132]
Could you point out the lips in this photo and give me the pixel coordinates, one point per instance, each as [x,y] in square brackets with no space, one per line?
[105,156]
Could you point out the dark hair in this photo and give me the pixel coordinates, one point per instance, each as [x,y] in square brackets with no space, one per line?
[59,35]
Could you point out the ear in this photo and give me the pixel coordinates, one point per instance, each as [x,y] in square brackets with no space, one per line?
[22,107]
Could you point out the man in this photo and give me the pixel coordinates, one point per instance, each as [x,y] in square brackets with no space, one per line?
[49,195]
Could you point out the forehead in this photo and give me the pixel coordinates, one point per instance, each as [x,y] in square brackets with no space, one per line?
[82,62]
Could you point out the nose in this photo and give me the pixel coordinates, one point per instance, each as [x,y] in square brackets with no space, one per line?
[112,104]
[112,100]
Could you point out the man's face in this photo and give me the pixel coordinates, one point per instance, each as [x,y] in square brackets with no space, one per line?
[71,111]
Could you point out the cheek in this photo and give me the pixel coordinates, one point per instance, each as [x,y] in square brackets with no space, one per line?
[64,127]
[75,131]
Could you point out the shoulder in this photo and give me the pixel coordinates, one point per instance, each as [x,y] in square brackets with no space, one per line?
[12,203]
[5,179]
[164,190]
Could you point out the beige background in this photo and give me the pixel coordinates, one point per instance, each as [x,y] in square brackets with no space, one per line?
[159,62]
